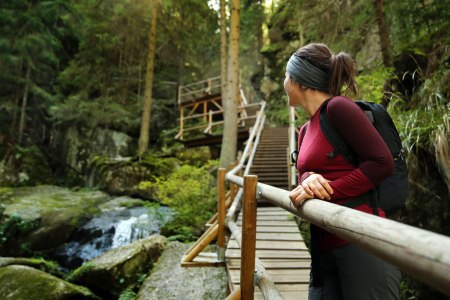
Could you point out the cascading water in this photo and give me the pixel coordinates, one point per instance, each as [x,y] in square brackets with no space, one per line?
[110,230]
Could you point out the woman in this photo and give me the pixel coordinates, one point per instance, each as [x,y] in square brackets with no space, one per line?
[339,270]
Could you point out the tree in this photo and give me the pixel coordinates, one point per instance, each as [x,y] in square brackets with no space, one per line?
[31,53]
[147,107]
[385,44]
[230,104]
[223,49]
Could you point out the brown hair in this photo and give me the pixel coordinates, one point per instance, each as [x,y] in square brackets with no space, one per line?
[340,67]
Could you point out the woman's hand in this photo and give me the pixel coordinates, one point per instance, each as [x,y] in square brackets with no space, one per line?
[299,195]
[318,186]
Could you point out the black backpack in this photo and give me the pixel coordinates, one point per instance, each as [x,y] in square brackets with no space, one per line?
[393,190]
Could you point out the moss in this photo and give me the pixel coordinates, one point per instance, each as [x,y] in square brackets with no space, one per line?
[79,273]
[29,283]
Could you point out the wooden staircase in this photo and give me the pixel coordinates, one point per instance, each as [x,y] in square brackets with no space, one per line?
[270,162]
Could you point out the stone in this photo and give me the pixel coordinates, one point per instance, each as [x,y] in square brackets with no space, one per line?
[170,281]
[23,282]
[48,213]
[112,272]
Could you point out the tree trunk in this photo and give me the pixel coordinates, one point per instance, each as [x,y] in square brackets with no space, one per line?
[259,74]
[223,50]
[385,45]
[24,105]
[148,93]
[229,141]
[384,33]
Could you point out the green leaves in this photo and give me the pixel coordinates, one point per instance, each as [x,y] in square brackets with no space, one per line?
[191,192]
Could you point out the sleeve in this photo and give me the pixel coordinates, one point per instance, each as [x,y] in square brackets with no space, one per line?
[375,159]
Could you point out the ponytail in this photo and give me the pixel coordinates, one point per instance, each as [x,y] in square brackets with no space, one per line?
[342,73]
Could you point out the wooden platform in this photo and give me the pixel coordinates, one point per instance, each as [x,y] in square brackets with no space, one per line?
[280,247]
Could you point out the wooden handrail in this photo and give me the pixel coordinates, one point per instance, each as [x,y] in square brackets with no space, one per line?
[208,125]
[198,87]
[420,253]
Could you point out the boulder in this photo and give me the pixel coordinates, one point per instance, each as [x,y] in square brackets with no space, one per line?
[22,282]
[170,281]
[44,217]
[110,273]
[36,263]
[82,145]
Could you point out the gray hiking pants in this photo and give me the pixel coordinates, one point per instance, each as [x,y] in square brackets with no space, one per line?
[350,273]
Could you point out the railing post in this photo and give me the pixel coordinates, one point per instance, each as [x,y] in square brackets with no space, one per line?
[210,121]
[221,214]
[181,121]
[248,237]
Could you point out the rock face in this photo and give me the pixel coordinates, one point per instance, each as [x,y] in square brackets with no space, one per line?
[22,282]
[110,273]
[169,281]
[44,216]
[81,145]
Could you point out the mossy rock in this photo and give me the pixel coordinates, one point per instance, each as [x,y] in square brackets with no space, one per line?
[23,282]
[112,272]
[36,263]
[45,216]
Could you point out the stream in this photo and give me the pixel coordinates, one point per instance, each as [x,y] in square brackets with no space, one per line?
[110,230]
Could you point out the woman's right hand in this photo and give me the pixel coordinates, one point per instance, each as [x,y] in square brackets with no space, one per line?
[299,195]
[317,185]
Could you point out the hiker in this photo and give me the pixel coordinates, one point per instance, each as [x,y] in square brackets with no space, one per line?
[339,270]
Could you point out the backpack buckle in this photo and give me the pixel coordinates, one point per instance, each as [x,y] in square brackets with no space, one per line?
[332,154]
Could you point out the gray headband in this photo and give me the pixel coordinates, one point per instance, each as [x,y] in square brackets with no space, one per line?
[307,74]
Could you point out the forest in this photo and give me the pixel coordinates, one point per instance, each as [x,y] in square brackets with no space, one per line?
[78,76]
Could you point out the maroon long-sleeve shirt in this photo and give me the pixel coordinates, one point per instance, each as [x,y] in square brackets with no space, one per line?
[347,180]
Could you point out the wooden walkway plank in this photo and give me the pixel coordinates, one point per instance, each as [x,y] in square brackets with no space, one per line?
[280,247]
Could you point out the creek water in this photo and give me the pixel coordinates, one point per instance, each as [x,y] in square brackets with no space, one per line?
[110,230]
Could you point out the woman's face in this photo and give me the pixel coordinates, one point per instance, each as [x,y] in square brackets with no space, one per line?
[292,90]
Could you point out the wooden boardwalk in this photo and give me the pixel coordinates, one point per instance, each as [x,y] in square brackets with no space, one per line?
[279,244]
[280,247]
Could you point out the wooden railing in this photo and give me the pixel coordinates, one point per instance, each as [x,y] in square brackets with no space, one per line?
[205,122]
[198,89]
[420,253]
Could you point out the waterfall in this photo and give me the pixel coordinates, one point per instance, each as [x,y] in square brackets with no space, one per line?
[123,233]
[111,230]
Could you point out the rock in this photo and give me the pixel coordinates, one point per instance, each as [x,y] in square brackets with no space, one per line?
[36,263]
[44,217]
[82,145]
[169,281]
[22,282]
[112,272]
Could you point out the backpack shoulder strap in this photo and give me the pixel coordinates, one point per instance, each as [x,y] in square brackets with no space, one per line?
[294,154]
[302,134]
[339,144]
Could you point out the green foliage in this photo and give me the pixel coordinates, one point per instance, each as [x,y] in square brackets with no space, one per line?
[191,192]
[128,294]
[371,85]
[194,156]
[11,228]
